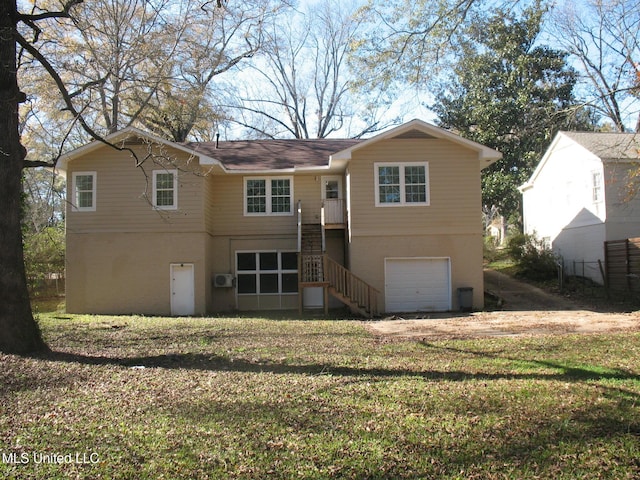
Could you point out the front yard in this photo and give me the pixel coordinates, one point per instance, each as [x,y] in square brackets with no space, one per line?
[151,398]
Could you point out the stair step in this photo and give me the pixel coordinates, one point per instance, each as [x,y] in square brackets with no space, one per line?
[311,242]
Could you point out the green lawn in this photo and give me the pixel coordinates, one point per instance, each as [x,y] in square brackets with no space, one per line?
[159,398]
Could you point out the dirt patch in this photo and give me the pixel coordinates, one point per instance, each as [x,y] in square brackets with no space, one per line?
[507,323]
[527,311]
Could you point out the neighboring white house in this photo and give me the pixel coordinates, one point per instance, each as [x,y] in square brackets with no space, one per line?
[579,197]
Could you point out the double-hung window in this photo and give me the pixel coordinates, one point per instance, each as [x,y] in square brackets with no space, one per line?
[596,185]
[402,184]
[268,196]
[165,189]
[84,188]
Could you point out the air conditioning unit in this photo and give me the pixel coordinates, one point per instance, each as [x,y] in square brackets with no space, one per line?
[222,280]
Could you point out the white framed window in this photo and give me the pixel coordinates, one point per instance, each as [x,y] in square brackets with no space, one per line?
[267,273]
[84,191]
[165,189]
[402,184]
[268,196]
[596,187]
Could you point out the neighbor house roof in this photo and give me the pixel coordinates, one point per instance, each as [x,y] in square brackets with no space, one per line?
[261,155]
[609,145]
[606,146]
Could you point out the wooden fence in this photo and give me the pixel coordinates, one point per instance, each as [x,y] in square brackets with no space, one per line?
[622,264]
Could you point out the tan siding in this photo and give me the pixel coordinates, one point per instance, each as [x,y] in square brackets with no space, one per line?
[226,200]
[449,227]
[454,180]
[122,273]
[120,196]
[465,251]
[211,183]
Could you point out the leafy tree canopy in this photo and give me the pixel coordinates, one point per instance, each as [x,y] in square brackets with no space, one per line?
[510,93]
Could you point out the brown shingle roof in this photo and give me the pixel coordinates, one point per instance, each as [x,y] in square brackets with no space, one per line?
[272,154]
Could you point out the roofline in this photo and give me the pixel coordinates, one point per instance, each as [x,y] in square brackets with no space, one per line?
[485,153]
[554,143]
[336,161]
[274,171]
[529,183]
[125,133]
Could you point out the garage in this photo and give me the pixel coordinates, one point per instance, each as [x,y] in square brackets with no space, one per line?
[417,284]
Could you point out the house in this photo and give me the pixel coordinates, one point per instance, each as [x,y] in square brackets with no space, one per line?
[578,197]
[387,224]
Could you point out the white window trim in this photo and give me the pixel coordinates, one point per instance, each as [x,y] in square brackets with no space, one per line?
[403,202]
[597,191]
[75,205]
[175,190]
[268,213]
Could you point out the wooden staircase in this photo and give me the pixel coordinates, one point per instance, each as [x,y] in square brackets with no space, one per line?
[316,269]
[312,242]
[358,295]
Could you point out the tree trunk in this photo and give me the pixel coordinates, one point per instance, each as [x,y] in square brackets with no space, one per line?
[19,333]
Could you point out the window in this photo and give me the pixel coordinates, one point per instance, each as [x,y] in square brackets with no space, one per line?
[596,181]
[165,189]
[84,187]
[402,184]
[268,196]
[266,273]
[331,189]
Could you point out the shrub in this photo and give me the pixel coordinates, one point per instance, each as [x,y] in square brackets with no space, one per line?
[534,259]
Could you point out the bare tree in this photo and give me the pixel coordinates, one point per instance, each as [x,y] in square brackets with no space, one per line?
[603,39]
[86,100]
[304,86]
[406,42]
[218,40]
[113,55]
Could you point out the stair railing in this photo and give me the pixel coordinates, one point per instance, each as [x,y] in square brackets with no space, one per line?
[299,226]
[351,286]
[322,223]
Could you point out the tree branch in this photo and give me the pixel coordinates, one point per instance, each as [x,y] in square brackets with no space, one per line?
[33,51]
[64,13]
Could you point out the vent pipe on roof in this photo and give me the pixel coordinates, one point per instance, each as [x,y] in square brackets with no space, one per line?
[217,139]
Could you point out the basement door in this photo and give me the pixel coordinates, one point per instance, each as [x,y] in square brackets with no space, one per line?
[182,289]
[417,284]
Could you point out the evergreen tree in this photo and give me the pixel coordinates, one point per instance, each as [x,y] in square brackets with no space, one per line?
[512,94]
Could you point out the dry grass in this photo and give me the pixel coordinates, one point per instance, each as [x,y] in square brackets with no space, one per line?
[150,398]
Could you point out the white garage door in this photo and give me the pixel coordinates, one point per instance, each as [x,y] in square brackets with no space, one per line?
[417,285]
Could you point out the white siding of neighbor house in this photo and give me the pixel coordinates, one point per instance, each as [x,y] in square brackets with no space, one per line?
[560,207]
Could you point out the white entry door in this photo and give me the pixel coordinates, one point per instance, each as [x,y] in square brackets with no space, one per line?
[332,199]
[417,285]
[182,289]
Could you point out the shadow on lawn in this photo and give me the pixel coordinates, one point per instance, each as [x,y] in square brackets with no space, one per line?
[525,445]
[207,362]
[567,372]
